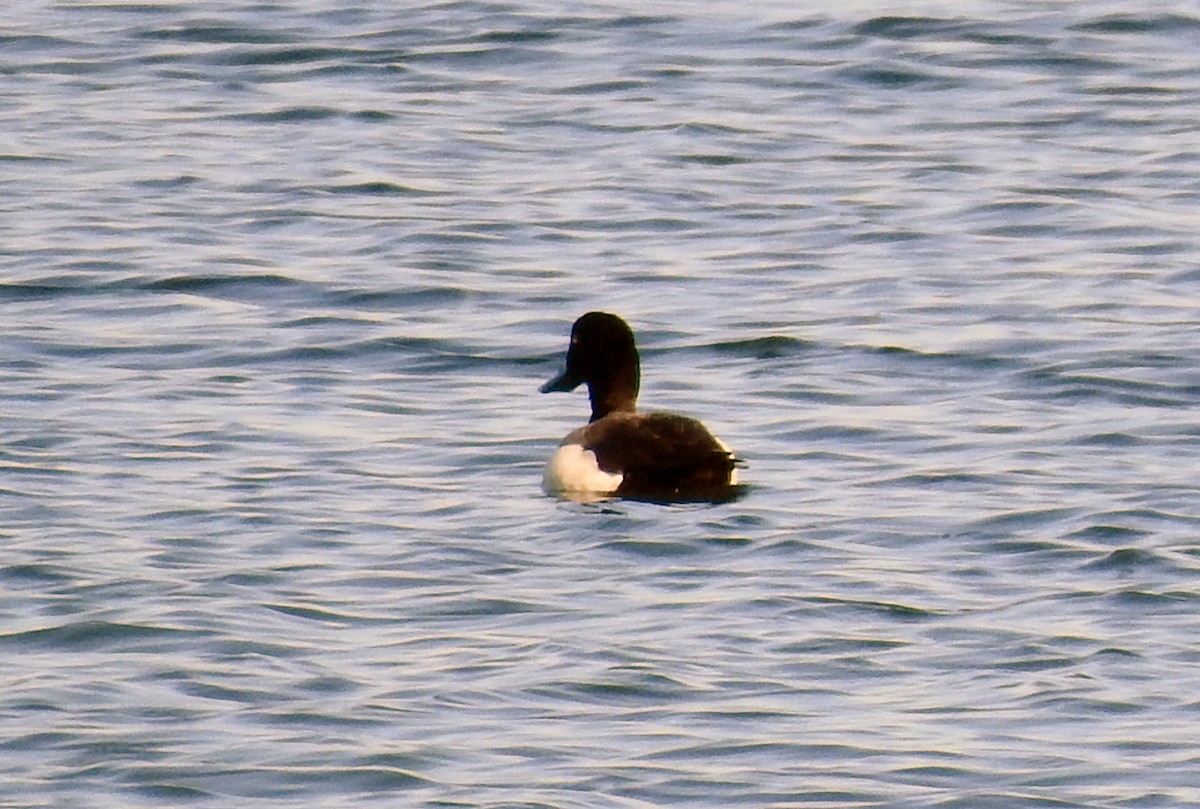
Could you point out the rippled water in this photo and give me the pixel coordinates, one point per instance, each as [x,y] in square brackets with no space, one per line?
[278,286]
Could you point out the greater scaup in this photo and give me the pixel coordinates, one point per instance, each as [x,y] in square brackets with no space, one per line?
[649,456]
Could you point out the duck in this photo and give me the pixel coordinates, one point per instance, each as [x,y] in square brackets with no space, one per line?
[620,452]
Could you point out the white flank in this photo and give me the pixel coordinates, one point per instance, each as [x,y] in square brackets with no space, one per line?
[573,469]
[733,473]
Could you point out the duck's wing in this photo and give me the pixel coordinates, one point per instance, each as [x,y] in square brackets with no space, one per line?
[660,454]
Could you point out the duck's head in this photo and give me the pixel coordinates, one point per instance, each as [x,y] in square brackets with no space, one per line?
[602,354]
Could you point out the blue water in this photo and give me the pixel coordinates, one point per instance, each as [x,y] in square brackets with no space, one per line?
[278,284]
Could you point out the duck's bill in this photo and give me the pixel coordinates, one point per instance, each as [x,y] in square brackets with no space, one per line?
[565,381]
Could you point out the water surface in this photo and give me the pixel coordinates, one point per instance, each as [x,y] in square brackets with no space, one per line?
[278,287]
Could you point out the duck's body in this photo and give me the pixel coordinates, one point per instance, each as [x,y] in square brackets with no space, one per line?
[653,456]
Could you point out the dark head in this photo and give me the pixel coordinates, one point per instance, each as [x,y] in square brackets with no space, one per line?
[603,355]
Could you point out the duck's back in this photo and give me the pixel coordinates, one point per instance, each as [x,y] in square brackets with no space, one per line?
[661,456]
